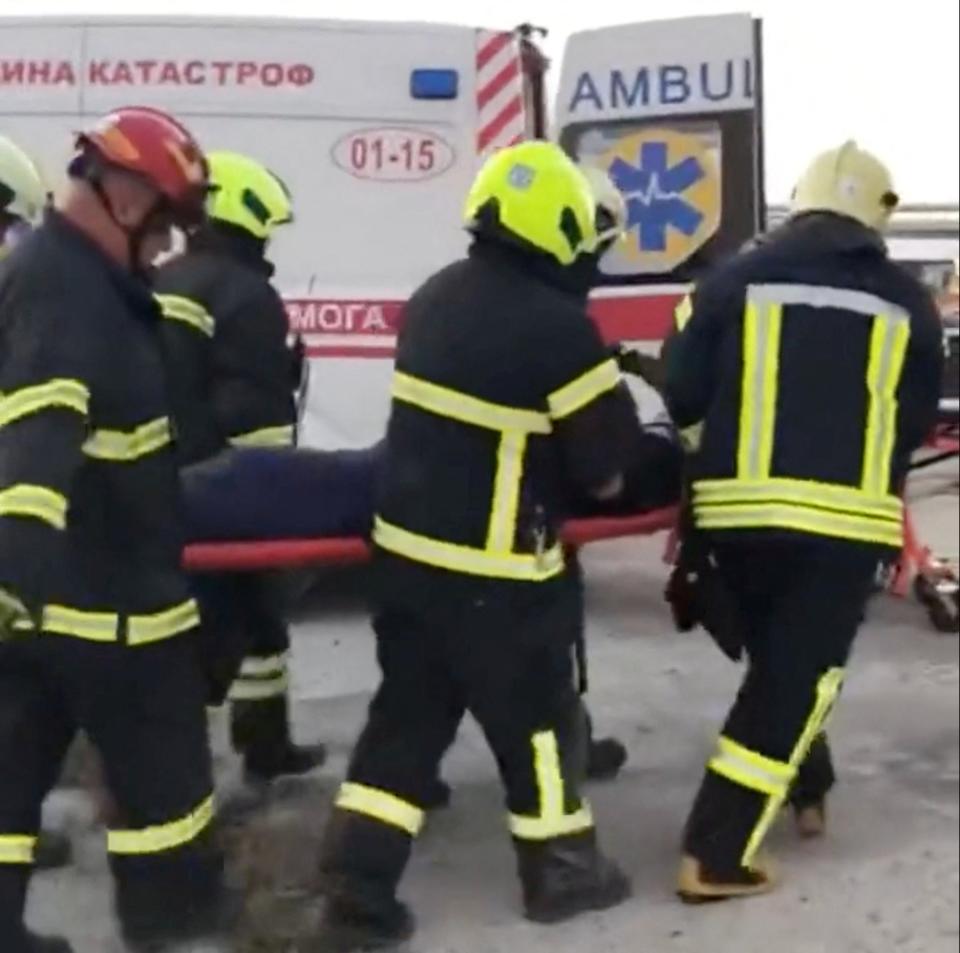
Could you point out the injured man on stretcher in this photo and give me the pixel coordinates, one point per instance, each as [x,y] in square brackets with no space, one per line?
[249,494]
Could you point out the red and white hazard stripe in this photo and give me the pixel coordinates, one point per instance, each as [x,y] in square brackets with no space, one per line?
[501,119]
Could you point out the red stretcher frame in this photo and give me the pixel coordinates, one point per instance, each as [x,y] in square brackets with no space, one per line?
[354,550]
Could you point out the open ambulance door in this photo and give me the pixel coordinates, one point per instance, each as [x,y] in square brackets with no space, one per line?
[672,110]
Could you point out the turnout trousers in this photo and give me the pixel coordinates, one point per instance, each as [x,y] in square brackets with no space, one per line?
[446,643]
[803,600]
[144,709]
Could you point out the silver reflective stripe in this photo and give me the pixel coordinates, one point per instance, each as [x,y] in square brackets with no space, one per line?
[821,296]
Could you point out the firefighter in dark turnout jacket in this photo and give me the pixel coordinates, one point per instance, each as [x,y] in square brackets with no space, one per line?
[97,625]
[813,362]
[503,395]
[232,381]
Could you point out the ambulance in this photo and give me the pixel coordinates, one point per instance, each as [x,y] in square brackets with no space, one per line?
[378,129]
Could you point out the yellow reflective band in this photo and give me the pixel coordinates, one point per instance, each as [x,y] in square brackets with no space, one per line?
[104,626]
[466,559]
[828,690]
[265,437]
[751,770]
[445,402]
[812,493]
[758,398]
[17,849]
[888,348]
[118,446]
[583,389]
[186,311]
[502,530]
[57,394]
[35,502]
[683,313]
[258,689]
[144,629]
[553,820]
[163,837]
[864,529]
[381,806]
[261,667]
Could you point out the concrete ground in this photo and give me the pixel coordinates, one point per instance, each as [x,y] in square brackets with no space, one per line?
[884,881]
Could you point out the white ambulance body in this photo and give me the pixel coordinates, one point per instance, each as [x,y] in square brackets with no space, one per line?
[379,128]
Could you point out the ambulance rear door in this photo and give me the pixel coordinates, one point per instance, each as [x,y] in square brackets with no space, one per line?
[673,111]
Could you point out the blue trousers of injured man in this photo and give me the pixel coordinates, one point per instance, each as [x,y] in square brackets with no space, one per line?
[803,601]
[504,652]
[143,707]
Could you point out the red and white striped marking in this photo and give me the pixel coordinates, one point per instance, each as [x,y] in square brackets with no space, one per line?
[501,119]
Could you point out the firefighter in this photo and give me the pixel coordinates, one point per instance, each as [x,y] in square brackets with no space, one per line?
[813,362]
[233,380]
[503,395]
[97,627]
[23,195]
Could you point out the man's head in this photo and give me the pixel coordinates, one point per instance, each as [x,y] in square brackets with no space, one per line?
[137,173]
[847,181]
[534,197]
[246,195]
[23,193]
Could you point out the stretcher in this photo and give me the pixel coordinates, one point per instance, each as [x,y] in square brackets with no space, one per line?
[932,580]
[249,556]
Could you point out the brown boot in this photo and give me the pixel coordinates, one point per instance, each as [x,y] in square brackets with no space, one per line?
[696,884]
[811,820]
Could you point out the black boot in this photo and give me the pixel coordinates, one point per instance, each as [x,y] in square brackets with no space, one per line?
[361,923]
[260,731]
[31,943]
[605,759]
[169,899]
[361,863]
[53,851]
[565,877]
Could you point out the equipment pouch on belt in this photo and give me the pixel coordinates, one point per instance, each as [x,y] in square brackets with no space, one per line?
[698,594]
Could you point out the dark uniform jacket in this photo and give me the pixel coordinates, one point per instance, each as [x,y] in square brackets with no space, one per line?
[90,527]
[815,364]
[504,398]
[232,376]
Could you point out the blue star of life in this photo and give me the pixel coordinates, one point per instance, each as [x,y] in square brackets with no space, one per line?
[654,194]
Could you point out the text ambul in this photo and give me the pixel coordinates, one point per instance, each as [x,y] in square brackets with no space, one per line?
[667,85]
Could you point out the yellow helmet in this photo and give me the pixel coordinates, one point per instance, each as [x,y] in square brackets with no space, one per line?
[535,193]
[23,192]
[848,181]
[611,205]
[247,194]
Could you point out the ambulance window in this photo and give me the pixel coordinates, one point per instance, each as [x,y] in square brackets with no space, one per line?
[691,190]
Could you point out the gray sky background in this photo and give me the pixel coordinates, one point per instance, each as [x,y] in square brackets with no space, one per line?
[887,76]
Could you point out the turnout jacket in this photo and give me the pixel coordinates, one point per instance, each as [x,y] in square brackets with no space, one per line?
[232,376]
[90,527]
[504,399]
[815,363]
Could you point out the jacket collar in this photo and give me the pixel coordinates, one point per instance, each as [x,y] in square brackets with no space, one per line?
[133,289]
[236,243]
[826,233]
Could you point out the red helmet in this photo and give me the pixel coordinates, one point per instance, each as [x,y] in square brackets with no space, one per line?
[155,146]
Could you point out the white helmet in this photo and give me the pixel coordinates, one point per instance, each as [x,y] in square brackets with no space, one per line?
[611,205]
[23,192]
[848,181]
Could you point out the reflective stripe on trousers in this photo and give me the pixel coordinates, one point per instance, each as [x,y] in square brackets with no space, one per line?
[382,806]
[553,820]
[771,778]
[163,837]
